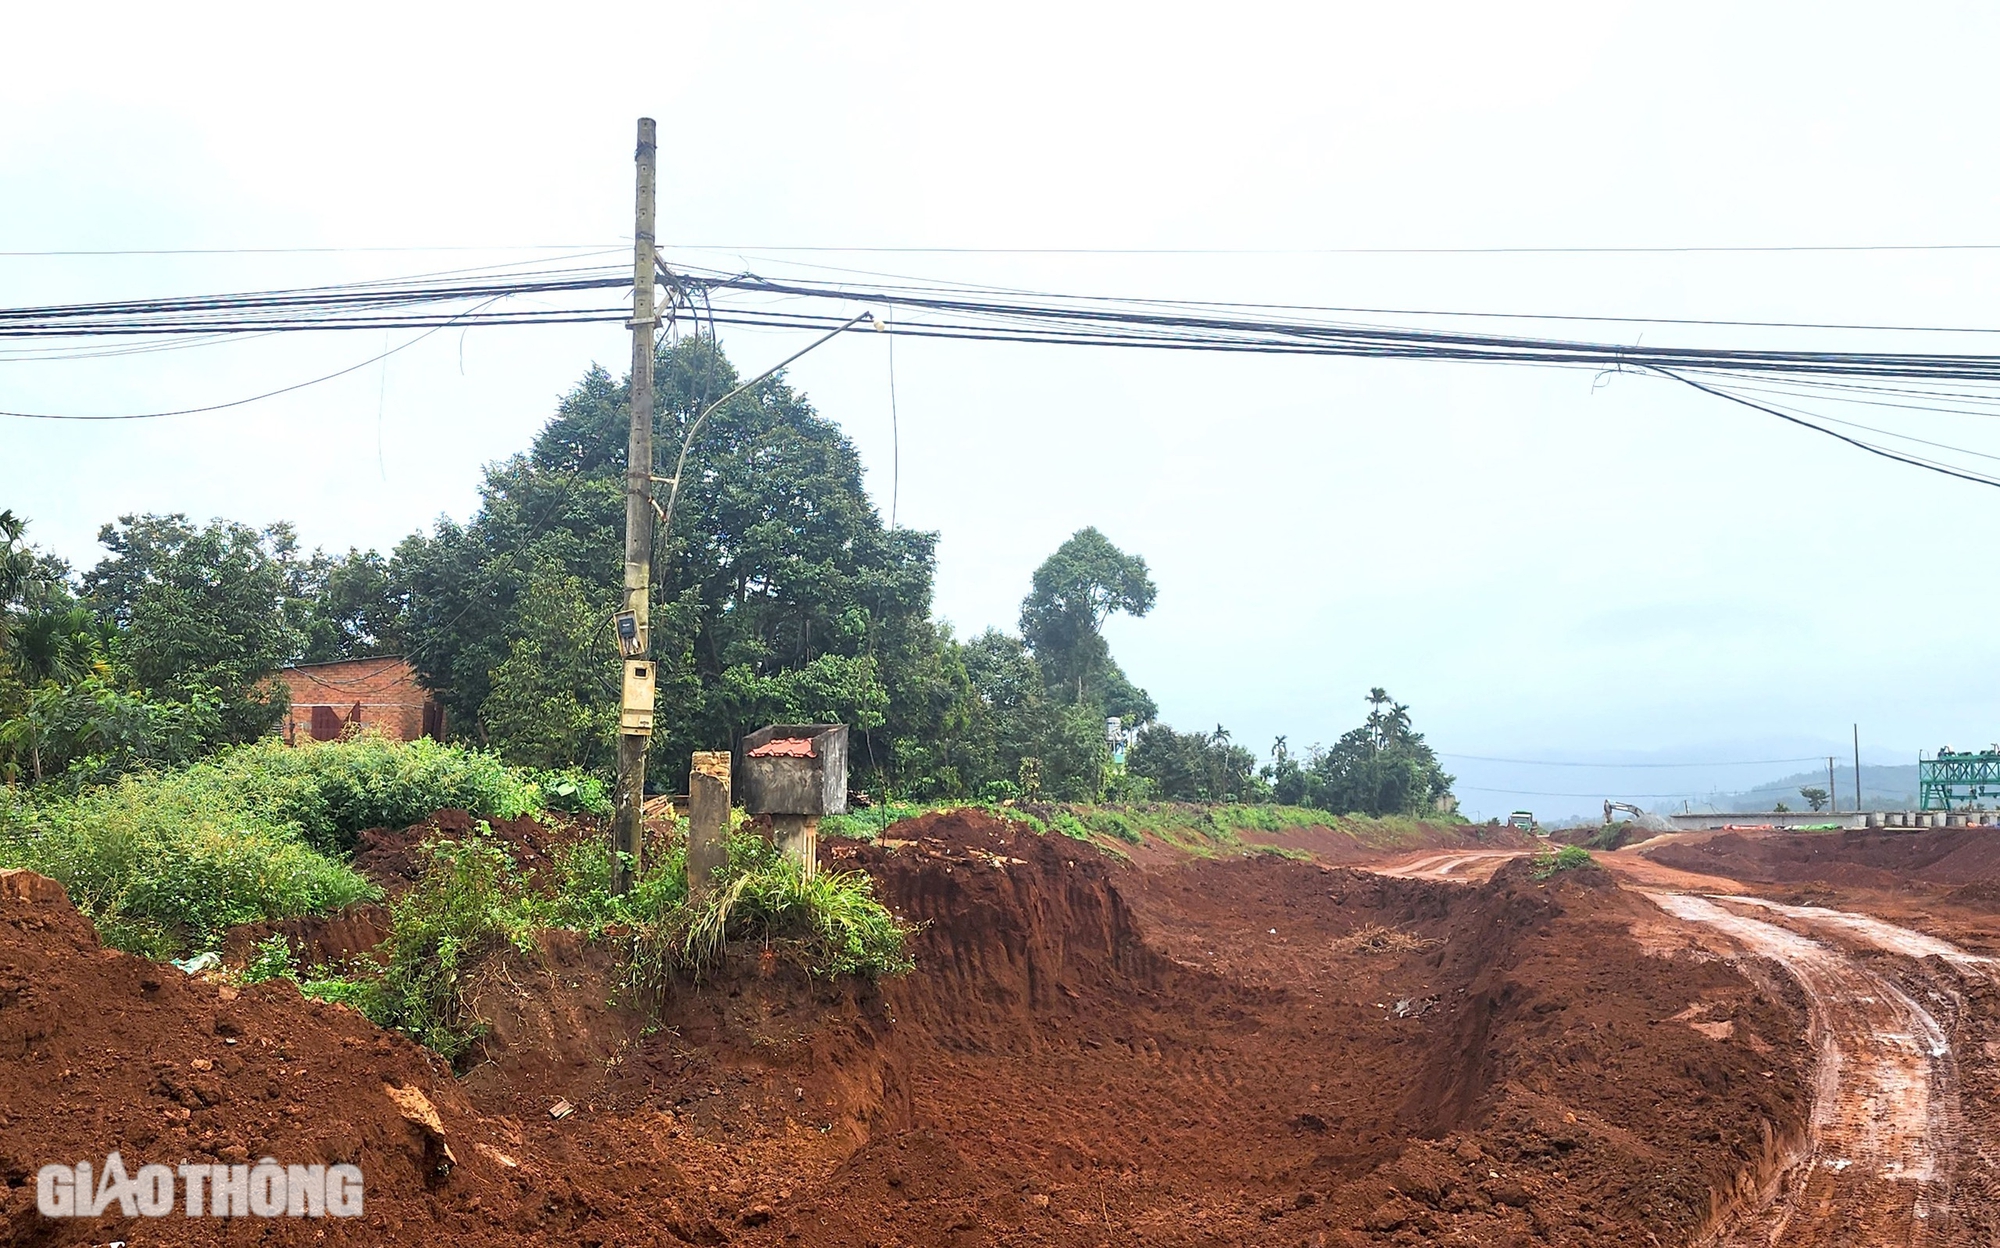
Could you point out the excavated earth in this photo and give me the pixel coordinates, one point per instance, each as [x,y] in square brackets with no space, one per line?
[1180,1051]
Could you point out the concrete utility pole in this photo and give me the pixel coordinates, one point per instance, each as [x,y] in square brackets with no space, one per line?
[1857,768]
[635,719]
[1832,793]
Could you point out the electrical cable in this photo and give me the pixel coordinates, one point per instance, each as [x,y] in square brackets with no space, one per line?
[1355,251]
[1887,433]
[956,311]
[290,251]
[1547,762]
[1476,788]
[255,398]
[1870,447]
[1435,312]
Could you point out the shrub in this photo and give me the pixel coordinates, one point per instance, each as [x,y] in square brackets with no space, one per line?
[831,918]
[331,790]
[472,900]
[270,958]
[1568,858]
[469,900]
[164,868]
[575,791]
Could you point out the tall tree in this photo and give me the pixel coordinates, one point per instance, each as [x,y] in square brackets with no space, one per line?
[1062,620]
[201,613]
[64,711]
[553,699]
[1384,767]
[1195,766]
[1283,773]
[778,593]
[346,607]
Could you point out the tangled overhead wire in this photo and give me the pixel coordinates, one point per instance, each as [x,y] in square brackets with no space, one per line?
[1959,382]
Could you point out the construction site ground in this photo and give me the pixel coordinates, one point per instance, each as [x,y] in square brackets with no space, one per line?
[1746,1038]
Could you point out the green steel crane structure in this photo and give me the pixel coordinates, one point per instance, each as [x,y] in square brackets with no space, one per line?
[1957,779]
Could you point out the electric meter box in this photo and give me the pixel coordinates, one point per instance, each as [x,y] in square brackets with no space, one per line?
[631,638]
[635,714]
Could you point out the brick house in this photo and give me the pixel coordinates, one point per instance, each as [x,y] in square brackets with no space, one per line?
[381,693]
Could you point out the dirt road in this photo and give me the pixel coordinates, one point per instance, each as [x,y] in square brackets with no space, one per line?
[1459,866]
[1886,1139]
[1879,1164]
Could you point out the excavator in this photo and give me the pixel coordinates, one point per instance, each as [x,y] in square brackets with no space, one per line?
[1627,807]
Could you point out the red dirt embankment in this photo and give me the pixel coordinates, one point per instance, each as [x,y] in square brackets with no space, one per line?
[1944,881]
[1946,856]
[1088,1051]
[1183,1069]
[101,1050]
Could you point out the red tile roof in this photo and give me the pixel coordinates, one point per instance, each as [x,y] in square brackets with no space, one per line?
[785,747]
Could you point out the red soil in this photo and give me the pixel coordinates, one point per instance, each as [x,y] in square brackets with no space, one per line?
[1952,856]
[1944,882]
[390,857]
[1088,1052]
[102,1050]
[333,940]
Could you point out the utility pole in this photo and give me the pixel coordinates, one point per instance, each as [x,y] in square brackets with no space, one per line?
[1832,793]
[1857,769]
[635,719]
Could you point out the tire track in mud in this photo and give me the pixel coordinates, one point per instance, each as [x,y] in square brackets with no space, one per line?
[1879,1161]
[1873,931]
[1456,867]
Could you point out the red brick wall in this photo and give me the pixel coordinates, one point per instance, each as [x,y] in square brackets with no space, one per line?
[381,694]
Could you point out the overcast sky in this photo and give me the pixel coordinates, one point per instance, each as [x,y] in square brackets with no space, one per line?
[1543,564]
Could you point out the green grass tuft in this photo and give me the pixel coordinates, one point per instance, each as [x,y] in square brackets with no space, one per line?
[832,919]
[1568,858]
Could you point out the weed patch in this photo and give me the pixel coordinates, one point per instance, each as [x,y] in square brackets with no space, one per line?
[164,868]
[831,919]
[1568,858]
[330,790]
[470,900]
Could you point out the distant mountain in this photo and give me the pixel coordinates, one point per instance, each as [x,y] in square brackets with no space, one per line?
[1890,787]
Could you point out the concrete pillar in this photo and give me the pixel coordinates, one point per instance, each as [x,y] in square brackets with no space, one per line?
[797,838]
[708,817]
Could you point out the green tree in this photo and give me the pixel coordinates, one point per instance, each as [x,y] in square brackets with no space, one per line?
[1062,620]
[1195,766]
[92,730]
[1006,718]
[64,711]
[554,697]
[778,594]
[200,612]
[1284,774]
[1815,798]
[17,558]
[1383,767]
[346,607]
[930,738]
